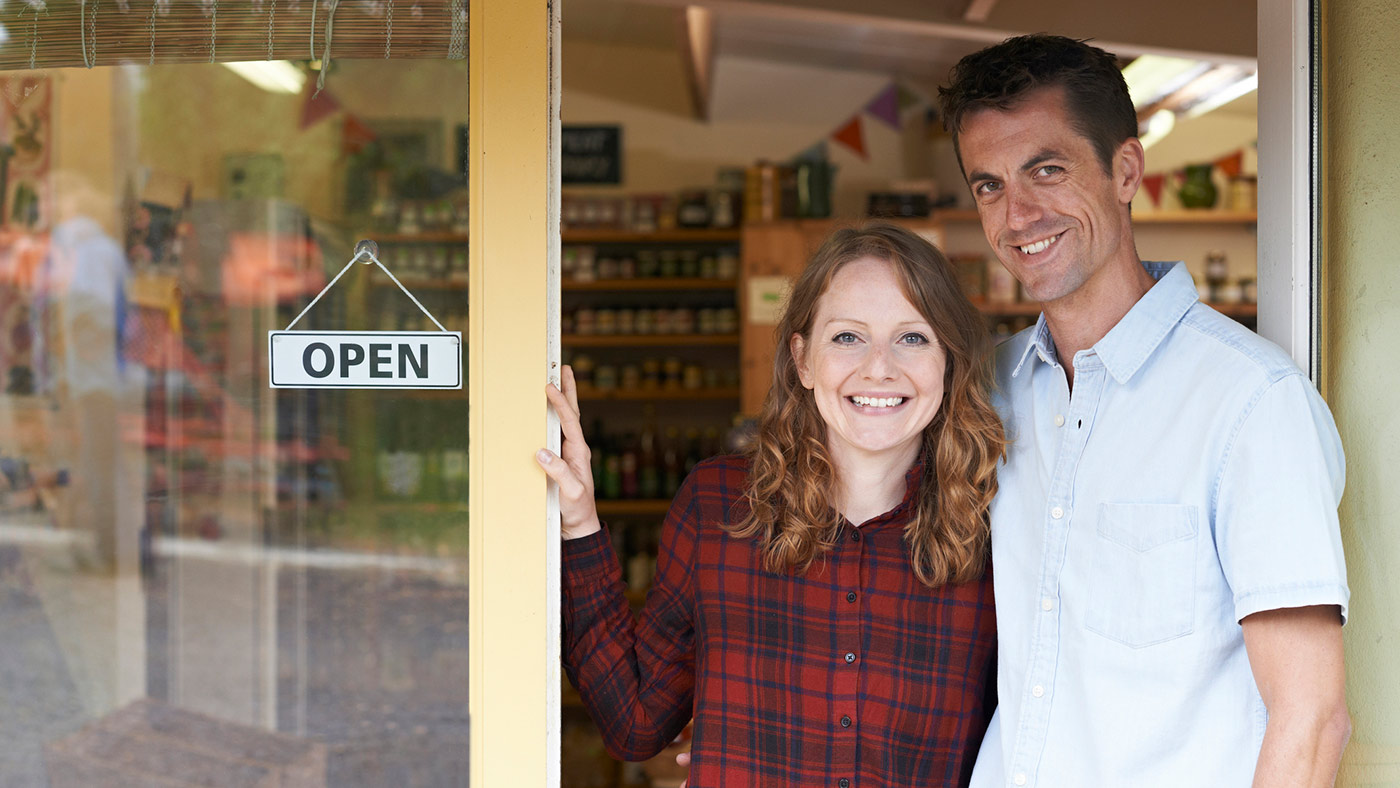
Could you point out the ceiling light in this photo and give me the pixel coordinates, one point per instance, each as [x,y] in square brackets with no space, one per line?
[1153,77]
[274,76]
[1224,95]
[1159,125]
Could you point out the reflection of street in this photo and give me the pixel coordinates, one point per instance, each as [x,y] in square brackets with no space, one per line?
[366,654]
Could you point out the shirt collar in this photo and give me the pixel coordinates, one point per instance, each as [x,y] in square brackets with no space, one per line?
[1128,344]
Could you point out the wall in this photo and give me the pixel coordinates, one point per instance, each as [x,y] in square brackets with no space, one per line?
[1362,305]
[759,110]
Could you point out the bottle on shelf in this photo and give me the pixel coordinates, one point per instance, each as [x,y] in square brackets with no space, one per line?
[649,470]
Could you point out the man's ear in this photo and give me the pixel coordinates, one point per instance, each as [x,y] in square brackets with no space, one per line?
[799,356]
[1128,166]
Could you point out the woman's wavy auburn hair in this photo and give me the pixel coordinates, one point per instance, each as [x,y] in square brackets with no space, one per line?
[790,496]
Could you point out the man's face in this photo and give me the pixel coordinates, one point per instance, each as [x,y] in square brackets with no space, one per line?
[1051,213]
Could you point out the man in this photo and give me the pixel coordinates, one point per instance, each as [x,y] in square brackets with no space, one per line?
[1170,583]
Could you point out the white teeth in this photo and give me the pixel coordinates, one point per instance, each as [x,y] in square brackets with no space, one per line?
[877,402]
[1039,246]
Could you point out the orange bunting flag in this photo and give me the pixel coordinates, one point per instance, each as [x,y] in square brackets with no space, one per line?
[315,108]
[1153,184]
[354,135]
[851,136]
[1232,164]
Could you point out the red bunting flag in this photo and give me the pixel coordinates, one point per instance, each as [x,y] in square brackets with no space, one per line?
[316,108]
[1232,164]
[1153,184]
[851,136]
[354,135]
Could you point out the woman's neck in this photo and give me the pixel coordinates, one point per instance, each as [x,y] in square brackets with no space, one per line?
[871,484]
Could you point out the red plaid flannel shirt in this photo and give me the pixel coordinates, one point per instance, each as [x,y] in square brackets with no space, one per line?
[853,675]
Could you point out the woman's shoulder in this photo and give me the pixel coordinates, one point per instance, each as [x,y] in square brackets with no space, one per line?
[716,484]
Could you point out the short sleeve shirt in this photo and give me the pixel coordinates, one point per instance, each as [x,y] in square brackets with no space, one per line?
[1192,478]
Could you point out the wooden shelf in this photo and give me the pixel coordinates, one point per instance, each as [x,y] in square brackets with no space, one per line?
[433,237]
[670,394]
[647,340]
[419,283]
[1204,216]
[651,283]
[633,508]
[679,235]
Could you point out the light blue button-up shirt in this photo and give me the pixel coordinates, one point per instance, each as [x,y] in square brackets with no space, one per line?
[1191,479]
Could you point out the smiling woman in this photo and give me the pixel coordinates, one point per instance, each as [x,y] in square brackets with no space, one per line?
[856,526]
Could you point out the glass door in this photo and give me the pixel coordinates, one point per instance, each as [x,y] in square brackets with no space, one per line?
[204,578]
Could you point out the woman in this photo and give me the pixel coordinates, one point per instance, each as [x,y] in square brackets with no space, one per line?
[822,605]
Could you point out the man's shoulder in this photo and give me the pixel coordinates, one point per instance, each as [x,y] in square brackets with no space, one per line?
[1224,342]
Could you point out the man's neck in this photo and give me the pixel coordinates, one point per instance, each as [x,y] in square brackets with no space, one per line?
[1079,320]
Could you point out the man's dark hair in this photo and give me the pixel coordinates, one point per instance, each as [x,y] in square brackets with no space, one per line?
[1096,95]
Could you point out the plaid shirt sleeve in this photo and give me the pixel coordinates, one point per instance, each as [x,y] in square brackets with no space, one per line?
[636,676]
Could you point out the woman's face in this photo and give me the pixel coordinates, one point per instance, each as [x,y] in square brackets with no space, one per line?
[873,364]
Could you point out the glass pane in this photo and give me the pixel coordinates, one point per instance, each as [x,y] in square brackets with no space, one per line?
[203,579]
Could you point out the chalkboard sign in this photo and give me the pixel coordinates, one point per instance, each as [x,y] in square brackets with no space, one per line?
[591,154]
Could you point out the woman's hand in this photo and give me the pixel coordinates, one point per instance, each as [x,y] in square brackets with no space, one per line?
[578,514]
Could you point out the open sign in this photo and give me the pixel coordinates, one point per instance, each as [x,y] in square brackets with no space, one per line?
[365,359]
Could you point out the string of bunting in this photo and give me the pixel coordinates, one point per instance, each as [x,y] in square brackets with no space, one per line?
[887,106]
[1230,165]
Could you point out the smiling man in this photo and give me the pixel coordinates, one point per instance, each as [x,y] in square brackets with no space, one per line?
[1170,583]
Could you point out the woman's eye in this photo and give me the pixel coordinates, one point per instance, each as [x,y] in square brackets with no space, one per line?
[844,338]
[913,339]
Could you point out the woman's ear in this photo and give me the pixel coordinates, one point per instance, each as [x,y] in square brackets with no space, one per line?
[798,346]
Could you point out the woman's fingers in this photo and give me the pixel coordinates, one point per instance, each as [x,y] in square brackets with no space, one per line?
[570,487]
[568,421]
[578,514]
[570,387]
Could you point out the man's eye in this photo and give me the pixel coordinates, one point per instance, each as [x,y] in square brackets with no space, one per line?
[1048,170]
[987,187]
[844,338]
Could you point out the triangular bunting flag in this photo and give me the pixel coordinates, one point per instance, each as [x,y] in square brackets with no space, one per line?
[354,135]
[1232,164]
[316,108]
[851,136]
[886,106]
[1153,184]
[907,97]
[815,153]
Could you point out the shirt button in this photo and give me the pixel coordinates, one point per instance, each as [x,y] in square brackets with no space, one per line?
[845,721]
[1059,420]
[1020,779]
[850,657]
[1057,513]
[855,536]
[844,783]
[1038,691]
[850,596]
[1047,604]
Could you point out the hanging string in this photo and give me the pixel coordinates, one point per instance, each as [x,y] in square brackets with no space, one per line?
[213,28]
[35,6]
[314,3]
[84,23]
[271,15]
[326,54]
[153,34]
[388,28]
[457,44]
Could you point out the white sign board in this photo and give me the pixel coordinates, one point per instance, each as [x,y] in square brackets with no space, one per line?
[365,359]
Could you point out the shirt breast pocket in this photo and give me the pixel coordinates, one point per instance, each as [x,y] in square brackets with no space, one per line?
[1142,591]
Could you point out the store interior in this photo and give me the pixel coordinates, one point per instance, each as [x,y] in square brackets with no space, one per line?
[695,137]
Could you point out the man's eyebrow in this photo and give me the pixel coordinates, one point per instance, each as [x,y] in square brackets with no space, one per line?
[1041,156]
[978,175]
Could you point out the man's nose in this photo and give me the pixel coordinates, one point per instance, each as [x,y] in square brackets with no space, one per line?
[1022,209]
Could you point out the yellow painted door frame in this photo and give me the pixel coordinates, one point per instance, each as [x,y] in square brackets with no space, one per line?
[514,177]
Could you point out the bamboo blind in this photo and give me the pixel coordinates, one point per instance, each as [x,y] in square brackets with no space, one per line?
[66,33]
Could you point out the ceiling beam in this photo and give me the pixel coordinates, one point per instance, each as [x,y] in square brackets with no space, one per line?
[696,29]
[978,10]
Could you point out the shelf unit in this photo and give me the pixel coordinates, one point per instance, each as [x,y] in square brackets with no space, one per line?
[648,283]
[680,235]
[647,340]
[657,394]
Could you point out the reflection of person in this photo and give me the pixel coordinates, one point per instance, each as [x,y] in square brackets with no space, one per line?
[822,604]
[1170,583]
[82,286]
